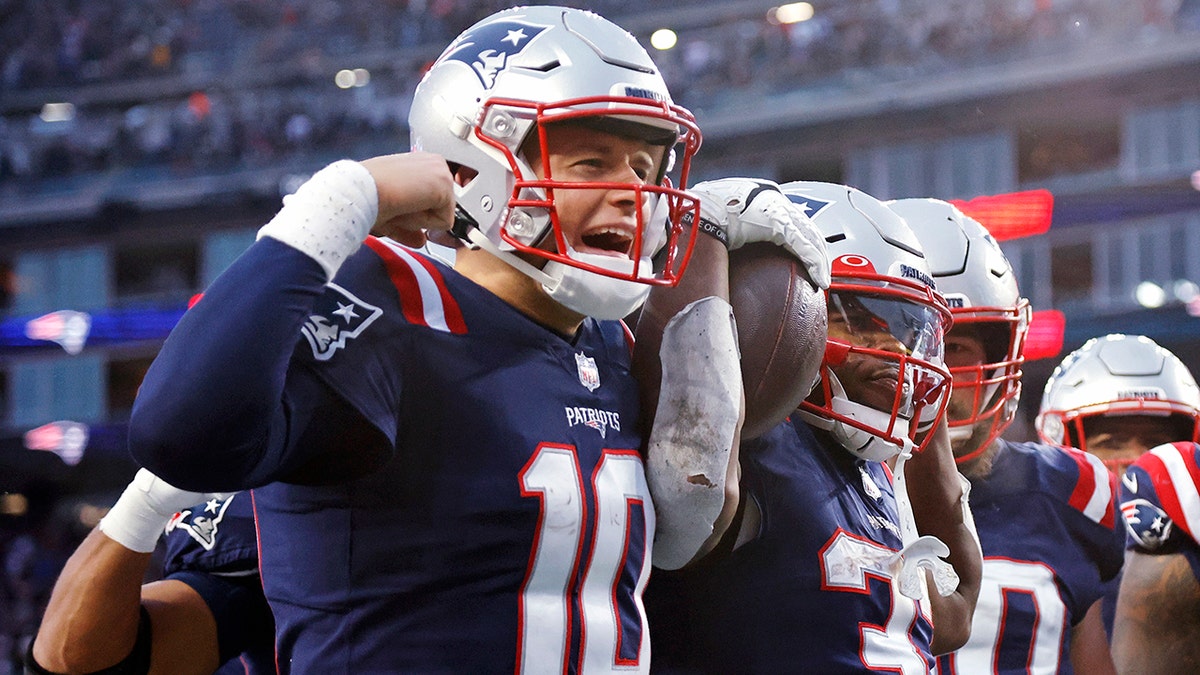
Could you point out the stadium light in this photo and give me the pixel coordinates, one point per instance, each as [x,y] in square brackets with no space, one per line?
[347,78]
[1150,295]
[1185,290]
[58,112]
[14,504]
[663,39]
[793,12]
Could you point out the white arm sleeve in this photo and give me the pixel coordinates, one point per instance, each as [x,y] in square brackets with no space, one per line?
[699,405]
[329,216]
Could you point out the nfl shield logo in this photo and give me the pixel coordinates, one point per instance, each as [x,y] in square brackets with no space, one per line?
[589,375]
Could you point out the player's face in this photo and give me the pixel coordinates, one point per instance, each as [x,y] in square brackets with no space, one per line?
[868,379]
[1121,439]
[599,221]
[964,349]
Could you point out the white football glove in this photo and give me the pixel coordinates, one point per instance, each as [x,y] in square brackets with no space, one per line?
[140,515]
[751,209]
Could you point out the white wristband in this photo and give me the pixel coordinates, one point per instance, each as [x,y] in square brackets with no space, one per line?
[329,216]
[133,522]
[141,514]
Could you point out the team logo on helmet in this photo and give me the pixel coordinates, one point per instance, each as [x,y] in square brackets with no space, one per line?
[810,206]
[337,317]
[488,48]
[910,272]
[201,521]
[1151,393]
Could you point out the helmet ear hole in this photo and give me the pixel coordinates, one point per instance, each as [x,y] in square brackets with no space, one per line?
[463,174]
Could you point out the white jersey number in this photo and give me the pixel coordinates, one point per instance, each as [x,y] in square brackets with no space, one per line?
[850,564]
[555,576]
[1001,579]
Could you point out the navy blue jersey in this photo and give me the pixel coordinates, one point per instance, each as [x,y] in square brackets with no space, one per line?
[508,532]
[1161,503]
[812,591]
[213,548]
[1046,522]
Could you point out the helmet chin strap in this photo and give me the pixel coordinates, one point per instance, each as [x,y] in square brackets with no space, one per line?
[859,442]
[961,433]
[478,239]
[587,293]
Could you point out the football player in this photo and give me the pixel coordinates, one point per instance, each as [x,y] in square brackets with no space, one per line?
[1116,397]
[1045,515]
[446,460]
[821,569]
[1119,396]
[207,613]
[1157,623]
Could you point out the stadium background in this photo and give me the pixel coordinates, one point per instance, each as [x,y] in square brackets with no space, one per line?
[143,142]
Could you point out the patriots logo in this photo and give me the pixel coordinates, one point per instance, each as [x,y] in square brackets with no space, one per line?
[594,418]
[202,521]
[488,48]
[810,206]
[1149,525]
[338,316]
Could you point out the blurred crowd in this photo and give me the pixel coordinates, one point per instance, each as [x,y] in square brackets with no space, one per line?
[34,546]
[199,85]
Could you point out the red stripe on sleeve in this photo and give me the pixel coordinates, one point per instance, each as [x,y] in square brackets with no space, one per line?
[409,289]
[453,313]
[1165,488]
[1085,485]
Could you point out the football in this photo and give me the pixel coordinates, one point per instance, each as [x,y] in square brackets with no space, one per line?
[781,324]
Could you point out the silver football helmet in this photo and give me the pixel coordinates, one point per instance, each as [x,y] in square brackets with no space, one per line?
[980,287]
[489,97]
[1116,375]
[883,309]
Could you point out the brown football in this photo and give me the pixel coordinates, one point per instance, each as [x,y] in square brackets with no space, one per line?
[781,325]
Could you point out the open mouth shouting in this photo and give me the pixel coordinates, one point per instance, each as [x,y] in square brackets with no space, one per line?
[610,240]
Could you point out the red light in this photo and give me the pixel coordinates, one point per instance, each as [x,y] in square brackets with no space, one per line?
[1045,339]
[1012,215]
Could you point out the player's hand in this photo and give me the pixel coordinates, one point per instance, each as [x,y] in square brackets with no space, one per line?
[751,209]
[416,193]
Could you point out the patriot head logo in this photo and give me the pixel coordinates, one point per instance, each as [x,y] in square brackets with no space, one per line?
[202,521]
[1149,525]
[337,317]
[487,49]
[811,207]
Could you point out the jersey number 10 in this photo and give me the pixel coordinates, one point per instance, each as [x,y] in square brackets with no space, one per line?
[557,590]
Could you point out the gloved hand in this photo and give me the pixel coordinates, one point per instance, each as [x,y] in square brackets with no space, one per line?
[751,209]
[139,516]
[925,553]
